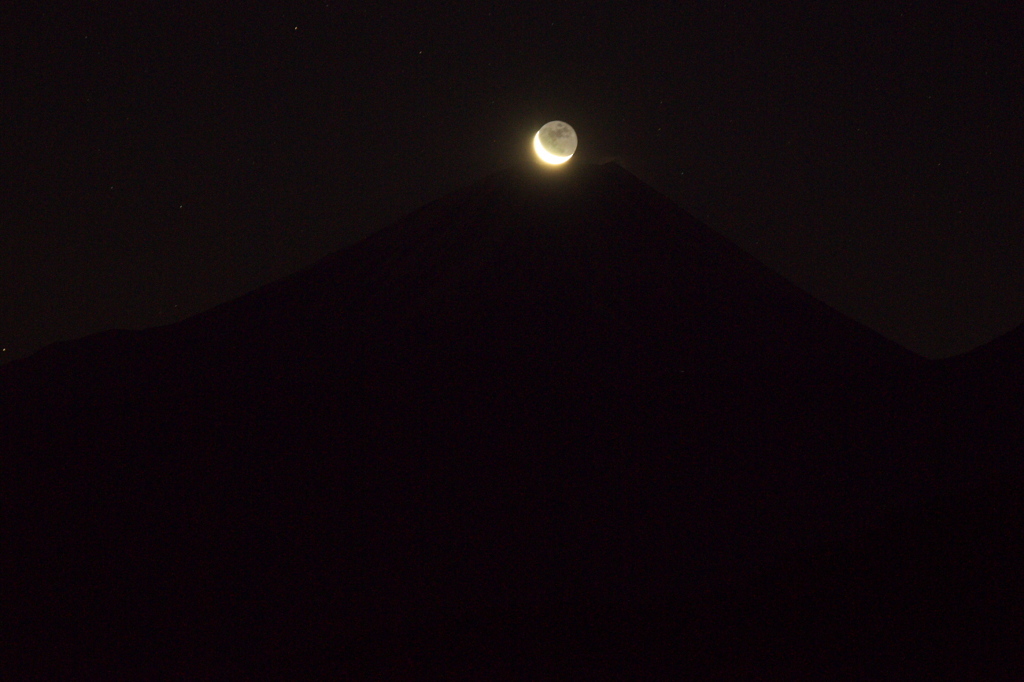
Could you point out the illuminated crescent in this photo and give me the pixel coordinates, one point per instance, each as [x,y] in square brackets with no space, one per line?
[545,155]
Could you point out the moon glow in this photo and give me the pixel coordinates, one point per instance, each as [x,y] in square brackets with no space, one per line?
[555,142]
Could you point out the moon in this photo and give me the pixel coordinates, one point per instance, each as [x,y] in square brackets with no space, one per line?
[555,142]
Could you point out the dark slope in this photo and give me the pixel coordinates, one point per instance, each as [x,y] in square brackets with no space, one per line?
[546,425]
[981,393]
[995,369]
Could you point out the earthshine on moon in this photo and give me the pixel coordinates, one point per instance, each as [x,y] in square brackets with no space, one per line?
[555,142]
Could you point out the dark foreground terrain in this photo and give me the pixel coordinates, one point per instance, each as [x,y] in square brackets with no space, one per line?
[546,427]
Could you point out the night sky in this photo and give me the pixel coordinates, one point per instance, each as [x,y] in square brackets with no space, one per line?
[161,158]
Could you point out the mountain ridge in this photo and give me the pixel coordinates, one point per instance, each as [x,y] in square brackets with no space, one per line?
[543,392]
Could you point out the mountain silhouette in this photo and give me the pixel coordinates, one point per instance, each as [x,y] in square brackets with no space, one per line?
[546,426]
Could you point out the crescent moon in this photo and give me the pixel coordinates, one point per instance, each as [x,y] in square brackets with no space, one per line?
[544,154]
[559,135]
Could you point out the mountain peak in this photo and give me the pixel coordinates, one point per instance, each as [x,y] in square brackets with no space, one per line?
[581,260]
[547,388]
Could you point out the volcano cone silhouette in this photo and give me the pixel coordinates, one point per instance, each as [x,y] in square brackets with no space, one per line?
[544,414]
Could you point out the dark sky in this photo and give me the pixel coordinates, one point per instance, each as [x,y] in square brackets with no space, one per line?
[161,158]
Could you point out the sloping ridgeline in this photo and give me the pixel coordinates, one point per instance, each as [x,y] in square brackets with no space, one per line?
[546,426]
